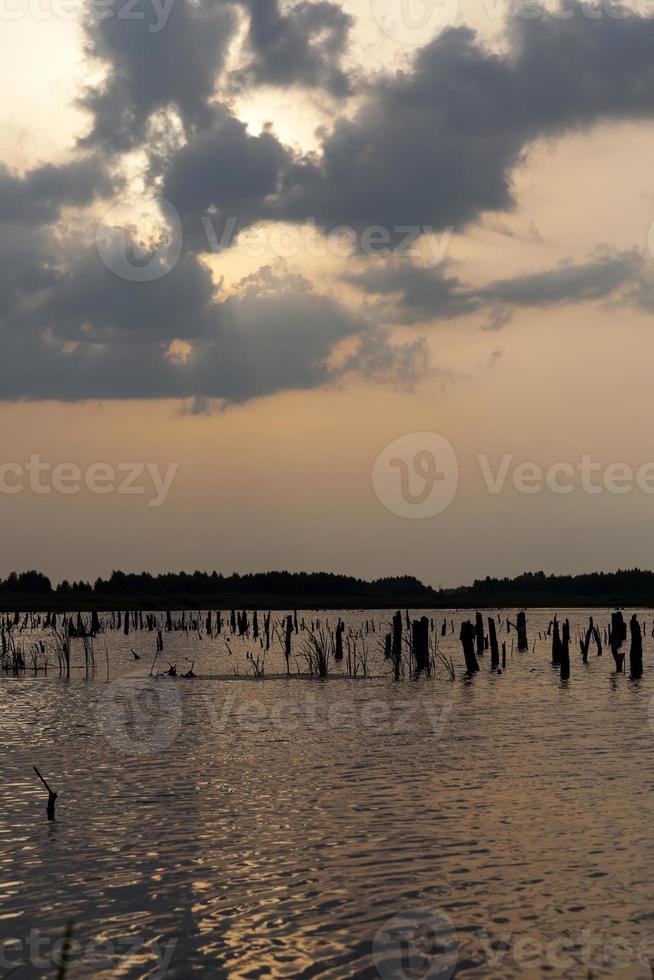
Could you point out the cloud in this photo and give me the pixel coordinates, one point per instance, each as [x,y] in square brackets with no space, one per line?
[416,294]
[81,332]
[568,283]
[153,64]
[225,172]
[170,55]
[434,145]
[38,196]
[381,359]
[437,144]
[302,47]
[431,146]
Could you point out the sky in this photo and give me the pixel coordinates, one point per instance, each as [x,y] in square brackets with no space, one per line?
[360,286]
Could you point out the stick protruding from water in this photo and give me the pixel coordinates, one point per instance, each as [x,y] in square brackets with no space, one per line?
[52,796]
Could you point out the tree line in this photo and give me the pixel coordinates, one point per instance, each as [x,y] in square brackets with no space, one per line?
[214,583]
[527,588]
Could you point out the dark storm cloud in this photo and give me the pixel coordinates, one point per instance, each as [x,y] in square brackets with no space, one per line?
[433,145]
[418,294]
[170,53]
[438,144]
[92,305]
[38,196]
[224,173]
[26,267]
[165,54]
[301,47]
[94,335]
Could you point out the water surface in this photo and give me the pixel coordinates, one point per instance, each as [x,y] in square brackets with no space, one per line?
[253,828]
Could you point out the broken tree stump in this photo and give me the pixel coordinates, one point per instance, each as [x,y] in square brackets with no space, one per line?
[565,651]
[557,646]
[494,649]
[467,637]
[617,636]
[420,643]
[521,627]
[396,645]
[636,650]
[479,634]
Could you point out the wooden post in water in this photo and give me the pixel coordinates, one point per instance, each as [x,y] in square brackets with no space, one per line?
[420,643]
[585,642]
[467,637]
[557,647]
[636,650]
[521,627]
[617,636]
[494,649]
[565,651]
[338,648]
[396,646]
[479,633]
[287,643]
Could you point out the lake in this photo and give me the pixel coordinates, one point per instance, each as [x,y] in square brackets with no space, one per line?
[498,825]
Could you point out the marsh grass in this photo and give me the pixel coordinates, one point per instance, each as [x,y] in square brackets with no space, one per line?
[317,651]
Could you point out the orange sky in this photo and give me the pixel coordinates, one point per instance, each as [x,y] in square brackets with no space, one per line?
[285,481]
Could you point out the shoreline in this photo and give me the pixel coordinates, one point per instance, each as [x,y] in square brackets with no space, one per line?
[40,602]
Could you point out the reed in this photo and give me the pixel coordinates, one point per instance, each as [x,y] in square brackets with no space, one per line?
[317,650]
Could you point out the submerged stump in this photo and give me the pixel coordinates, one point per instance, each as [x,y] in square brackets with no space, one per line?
[521,627]
[636,650]
[617,636]
[494,649]
[467,637]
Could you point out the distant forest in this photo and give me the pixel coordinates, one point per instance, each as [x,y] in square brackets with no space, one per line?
[284,589]
[205,585]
